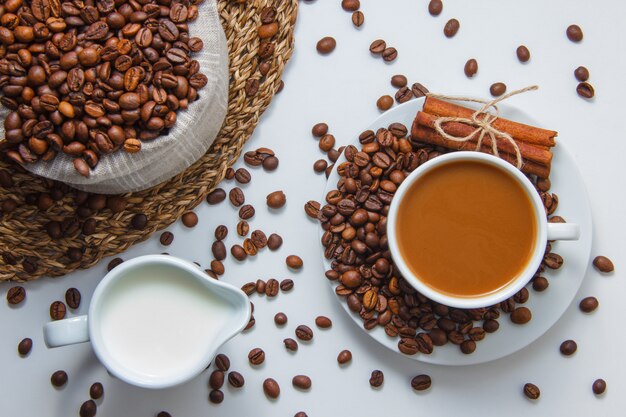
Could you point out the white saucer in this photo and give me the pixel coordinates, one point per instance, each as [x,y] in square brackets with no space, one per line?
[548,306]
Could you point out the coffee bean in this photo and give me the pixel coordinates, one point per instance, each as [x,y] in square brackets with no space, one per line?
[419,90]
[286,285]
[323,322]
[581,74]
[260,286]
[312,209]
[291,344]
[139,221]
[113,263]
[435,7]
[574,33]
[235,379]
[531,391]
[294,262]
[58,378]
[471,68]
[216,380]
[588,304]
[242,176]
[521,315]
[271,287]
[553,260]
[274,242]
[270,163]
[497,89]
[163,414]
[468,347]
[320,165]
[384,103]
[523,54]
[300,414]
[190,219]
[24,347]
[390,54]
[326,45]
[603,264]
[304,333]
[216,196]
[72,298]
[222,362]
[358,18]
[451,28]
[568,347]
[246,212]
[271,388]
[57,310]
[377,378]
[404,94]
[218,249]
[350,5]
[540,284]
[344,357]
[280,319]
[276,199]
[256,356]
[319,130]
[585,90]
[421,382]
[166,238]
[238,252]
[96,390]
[399,81]
[302,382]
[16,295]
[88,409]
[326,142]
[378,46]
[599,386]
[216,396]
[236,197]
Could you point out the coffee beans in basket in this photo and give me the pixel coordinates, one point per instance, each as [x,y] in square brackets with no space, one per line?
[90,79]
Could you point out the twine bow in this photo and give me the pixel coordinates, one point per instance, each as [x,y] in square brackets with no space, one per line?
[482,120]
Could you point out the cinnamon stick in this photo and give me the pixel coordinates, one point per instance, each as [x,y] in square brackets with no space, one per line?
[426,135]
[529,152]
[519,131]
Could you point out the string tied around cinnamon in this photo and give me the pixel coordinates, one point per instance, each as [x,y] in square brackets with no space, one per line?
[482,120]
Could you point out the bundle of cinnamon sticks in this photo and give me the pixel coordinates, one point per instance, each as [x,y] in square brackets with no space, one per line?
[533,143]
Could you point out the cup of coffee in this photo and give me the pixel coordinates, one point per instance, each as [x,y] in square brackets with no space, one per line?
[469,230]
[156,321]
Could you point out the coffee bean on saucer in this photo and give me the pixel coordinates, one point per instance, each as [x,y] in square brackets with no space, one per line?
[323,322]
[523,54]
[319,130]
[58,378]
[521,315]
[291,344]
[581,73]
[304,332]
[16,295]
[235,379]
[377,378]
[88,409]
[574,33]
[358,18]
[399,81]
[421,382]
[378,46]
[271,388]
[72,298]
[585,90]
[216,396]
[588,304]
[216,380]
[568,347]
[113,263]
[350,5]
[471,68]
[344,357]
[24,347]
[390,54]
[280,319]
[166,238]
[531,391]
[599,386]
[302,382]
[256,356]
[320,165]
[274,242]
[540,284]
[468,346]
[384,103]
[57,310]
[294,262]
[603,264]
[435,7]
[451,28]
[326,45]
[222,362]
[497,89]
[96,390]
[276,199]
[216,196]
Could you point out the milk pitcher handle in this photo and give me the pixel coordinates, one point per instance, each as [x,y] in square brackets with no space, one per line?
[66,332]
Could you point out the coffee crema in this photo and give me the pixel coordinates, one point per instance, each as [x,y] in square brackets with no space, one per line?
[466,228]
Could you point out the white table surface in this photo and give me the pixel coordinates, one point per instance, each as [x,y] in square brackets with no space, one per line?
[341,89]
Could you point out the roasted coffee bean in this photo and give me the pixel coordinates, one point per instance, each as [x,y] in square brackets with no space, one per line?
[271,287]
[238,252]
[531,391]
[350,5]
[326,45]
[216,380]
[96,391]
[216,196]
[521,315]
[256,356]
[139,221]
[399,81]
[16,295]
[384,103]
[280,319]
[585,90]
[113,263]
[274,241]
[72,298]
[451,28]
[320,165]
[421,382]
[291,344]
[435,7]
[271,388]
[471,68]
[588,304]
[344,357]
[57,310]
[219,250]
[603,264]
[358,18]
[246,212]
[568,347]
[268,15]
[216,396]
[553,260]
[599,386]
[222,362]
[419,90]
[377,378]
[404,94]
[304,332]
[390,54]
[236,197]
[243,228]
[323,322]
[574,33]
[276,199]
[24,347]
[163,414]
[468,346]
[540,284]
[88,409]
[294,262]
[270,163]
[302,382]
[235,379]
[523,54]
[326,142]
[319,130]
[268,30]
[286,285]
[258,239]
[166,238]
[312,209]
[58,378]
[497,89]
[581,74]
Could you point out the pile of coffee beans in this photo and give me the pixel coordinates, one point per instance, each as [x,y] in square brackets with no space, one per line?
[87,78]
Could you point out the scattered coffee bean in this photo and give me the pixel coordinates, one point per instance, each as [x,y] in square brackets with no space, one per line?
[378,46]
[540,284]
[294,262]
[24,347]
[523,54]
[399,81]
[319,130]
[326,142]
[358,18]
[236,197]
[243,228]
[219,250]
[242,176]
[603,264]
[113,263]
[276,199]
[217,267]
[139,221]
[260,286]
[216,380]
[471,68]
[419,90]
[404,94]
[574,33]
[166,238]
[377,378]
[320,165]
[451,28]
[568,347]
[235,379]
[384,103]
[58,378]
[72,298]
[286,285]
[271,287]
[164,414]
[222,362]
[531,391]
[585,90]
[246,212]
[599,386]
[270,163]
[521,315]
[302,382]
[326,45]
[588,304]
[323,322]
[16,295]
[256,356]
[304,333]
[88,409]
[216,196]
[344,357]
[96,391]
[238,252]
[435,7]
[350,5]
[57,310]
[190,219]
[301,414]
[216,396]
[581,73]
[553,260]
[280,319]
[312,209]
[497,89]
[390,54]
[271,388]
[291,344]
[421,382]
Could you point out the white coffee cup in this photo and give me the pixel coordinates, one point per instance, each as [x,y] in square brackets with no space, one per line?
[156,321]
[545,231]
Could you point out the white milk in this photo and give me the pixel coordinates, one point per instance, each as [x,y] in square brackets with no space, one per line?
[160,321]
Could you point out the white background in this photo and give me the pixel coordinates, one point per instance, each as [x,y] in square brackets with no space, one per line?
[342,89]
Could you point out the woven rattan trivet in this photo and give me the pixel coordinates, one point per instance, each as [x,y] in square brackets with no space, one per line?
[22,232]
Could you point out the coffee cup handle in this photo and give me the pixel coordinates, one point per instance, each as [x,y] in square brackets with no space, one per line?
[563,231]
[66,332]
